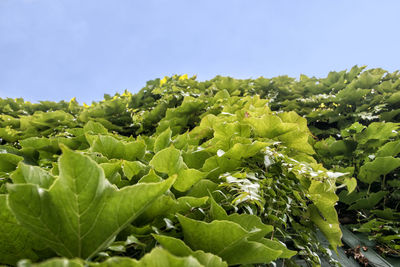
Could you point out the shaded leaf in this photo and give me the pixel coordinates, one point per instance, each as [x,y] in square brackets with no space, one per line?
[371,171]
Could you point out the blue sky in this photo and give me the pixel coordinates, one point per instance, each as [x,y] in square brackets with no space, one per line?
[58,49]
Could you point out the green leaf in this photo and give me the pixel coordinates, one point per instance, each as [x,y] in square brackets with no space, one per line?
[110,168]
[248,221]
[196,159]
[371,171]
[293,117]
[394,99]
[352,130]
[186,203]
[56,262]
[79,216]
[168,160]
[179,248]
[297,140]
[349,198]
[249,252]
[217,165]
[161,207]
[202,188]
[9,134]
[330,228]
[158,257]
[271,126]
[387,214]
[95,128]
[182,141]
[27,174]
[377,131]
[286,253]
[163,140]
[111,171]
[227,240]
[15,241]
[151,177]
[187,178]
[239,151]
[51,145]
[216,211]
[342,147]
[251,223]
[351,184]
[389,149]
[132,168]
[369,201]
[166,205]
[114,149]
[323,212]
[8,162]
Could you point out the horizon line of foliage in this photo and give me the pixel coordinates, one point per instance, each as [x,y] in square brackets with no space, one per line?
[228,157]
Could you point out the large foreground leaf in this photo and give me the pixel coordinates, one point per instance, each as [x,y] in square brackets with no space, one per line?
[15,241]
[81,212]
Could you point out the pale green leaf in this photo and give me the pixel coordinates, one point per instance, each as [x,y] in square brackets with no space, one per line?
[351,184]
[330,228]
[187,178]
[163,140]
[239,150]
[95,128]
[168,160]
[151,177]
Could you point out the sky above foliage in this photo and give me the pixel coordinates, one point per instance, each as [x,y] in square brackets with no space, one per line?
[59,49]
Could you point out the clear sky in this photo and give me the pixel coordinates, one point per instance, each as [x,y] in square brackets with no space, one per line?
[58,49]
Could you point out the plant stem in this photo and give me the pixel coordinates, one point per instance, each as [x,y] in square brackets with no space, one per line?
[383,182]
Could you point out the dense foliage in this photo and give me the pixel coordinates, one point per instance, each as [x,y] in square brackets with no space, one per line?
[215,173]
